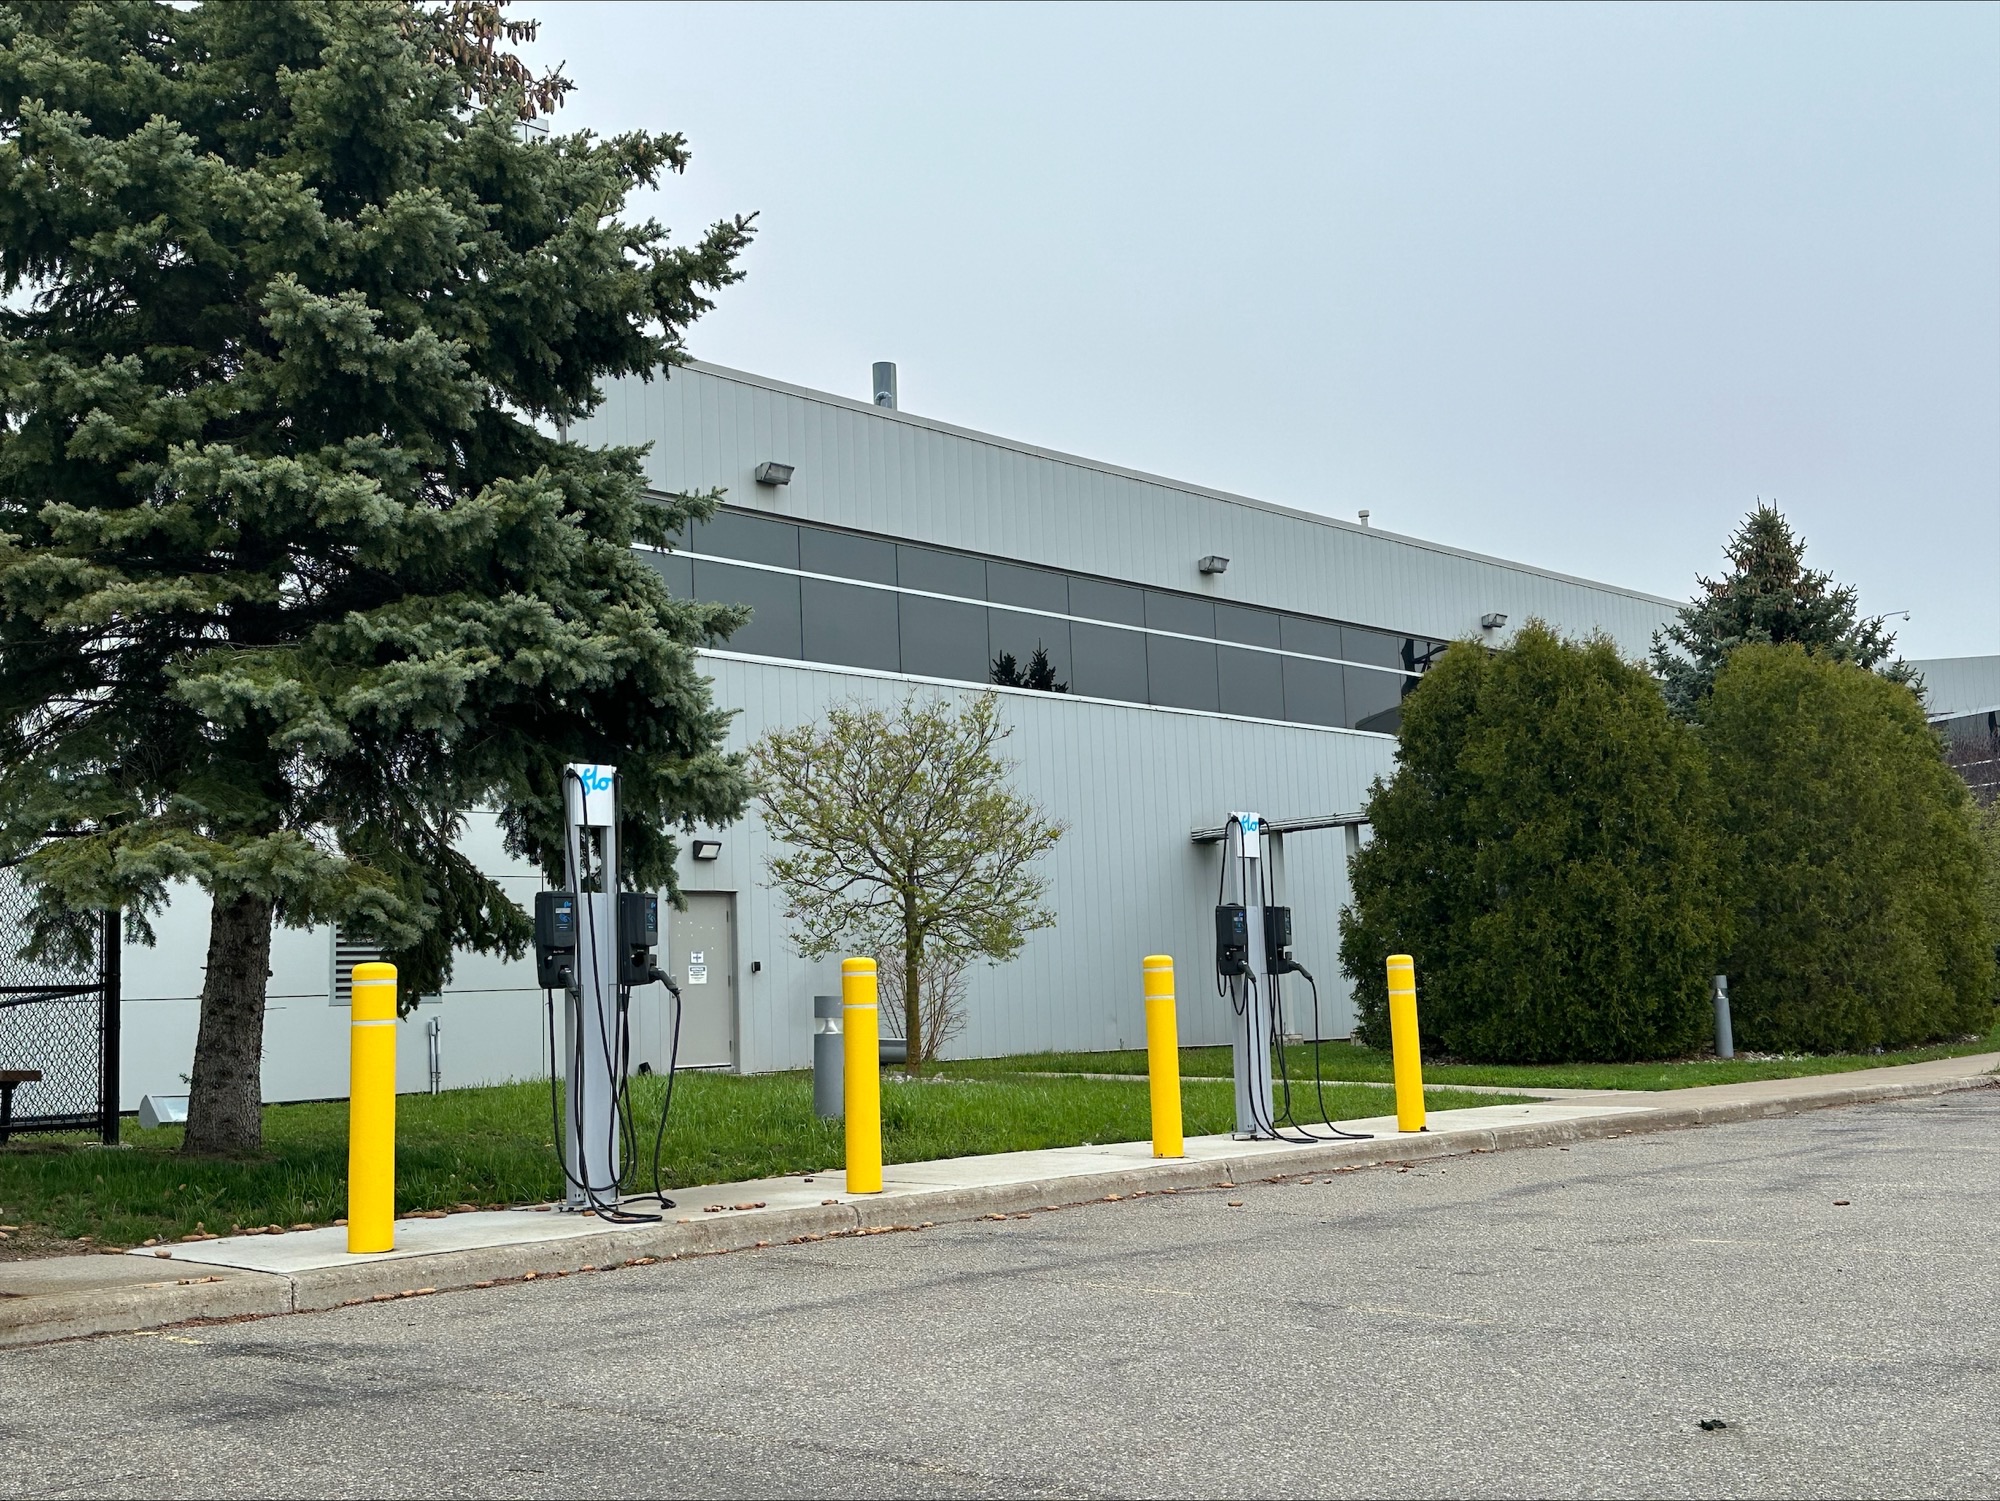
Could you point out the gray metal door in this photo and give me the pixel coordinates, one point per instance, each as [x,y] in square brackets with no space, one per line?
[701,956]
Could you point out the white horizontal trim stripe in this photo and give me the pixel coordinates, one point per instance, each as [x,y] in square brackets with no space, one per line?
[387,1021]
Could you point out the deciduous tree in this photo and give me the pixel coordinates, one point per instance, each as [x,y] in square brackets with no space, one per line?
[900,829]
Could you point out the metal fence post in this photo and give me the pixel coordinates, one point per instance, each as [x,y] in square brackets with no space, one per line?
[111,969]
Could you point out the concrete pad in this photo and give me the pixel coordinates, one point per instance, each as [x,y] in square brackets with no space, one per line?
[297,1250]
[1535,1092]
[314,1250]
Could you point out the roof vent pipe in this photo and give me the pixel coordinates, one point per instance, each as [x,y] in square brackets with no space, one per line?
[885,384]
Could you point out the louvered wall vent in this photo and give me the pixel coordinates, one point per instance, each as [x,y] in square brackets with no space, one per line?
[347,952]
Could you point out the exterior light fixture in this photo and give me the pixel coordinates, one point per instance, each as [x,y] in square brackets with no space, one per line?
[1492,620]
[772,473]
[707,849]
[1213,564]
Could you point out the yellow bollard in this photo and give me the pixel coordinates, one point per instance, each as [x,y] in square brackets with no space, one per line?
[1163,1055]
[862,1027]
[1403,1039]
[371,1110]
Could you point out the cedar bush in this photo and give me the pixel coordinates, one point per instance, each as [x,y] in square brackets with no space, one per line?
[1545,852]
[1850,857]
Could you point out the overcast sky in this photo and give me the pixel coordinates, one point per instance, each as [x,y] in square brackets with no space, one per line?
[1575,286]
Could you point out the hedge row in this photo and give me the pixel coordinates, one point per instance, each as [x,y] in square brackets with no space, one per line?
[1569,864]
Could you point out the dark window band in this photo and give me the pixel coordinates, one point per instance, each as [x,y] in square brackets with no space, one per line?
[820,620]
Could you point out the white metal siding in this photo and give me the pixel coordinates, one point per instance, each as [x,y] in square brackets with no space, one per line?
[1132,783]
[1960,685]
[891,472]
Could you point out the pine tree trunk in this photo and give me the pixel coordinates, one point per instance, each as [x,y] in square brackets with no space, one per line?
[226,1099]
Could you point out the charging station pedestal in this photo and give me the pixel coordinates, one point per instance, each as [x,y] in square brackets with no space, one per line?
[1250,1045]
[590,1014]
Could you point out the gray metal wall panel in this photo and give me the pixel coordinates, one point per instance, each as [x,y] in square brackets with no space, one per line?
[1131,783]
[1960,685]
[891,472]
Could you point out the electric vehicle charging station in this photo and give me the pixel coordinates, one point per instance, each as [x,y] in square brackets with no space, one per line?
[1253,951]
[1239,962]
[593,944]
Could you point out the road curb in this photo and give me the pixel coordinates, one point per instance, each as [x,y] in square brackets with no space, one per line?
[202,1293]
[213,1294]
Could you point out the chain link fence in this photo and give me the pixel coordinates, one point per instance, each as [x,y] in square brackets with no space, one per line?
[58,1020]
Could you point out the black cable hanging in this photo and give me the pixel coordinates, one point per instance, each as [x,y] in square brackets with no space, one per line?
[1278,1042]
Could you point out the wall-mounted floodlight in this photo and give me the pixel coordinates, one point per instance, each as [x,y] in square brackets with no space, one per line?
[772,473]
[1213,564]
[1492,620]
[707,849]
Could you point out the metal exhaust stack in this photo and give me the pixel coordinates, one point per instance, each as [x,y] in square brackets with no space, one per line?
[885,384]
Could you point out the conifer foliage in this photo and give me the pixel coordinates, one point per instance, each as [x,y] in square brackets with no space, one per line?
[292,572]
[1768,596]
[1853,869]
[1545,853]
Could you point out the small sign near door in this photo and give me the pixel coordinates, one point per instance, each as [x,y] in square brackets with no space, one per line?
[697,967]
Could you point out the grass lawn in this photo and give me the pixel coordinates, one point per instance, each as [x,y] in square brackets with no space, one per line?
[490,1147]
[1351,1062]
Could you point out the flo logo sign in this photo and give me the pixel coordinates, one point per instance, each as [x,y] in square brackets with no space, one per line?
[594,783]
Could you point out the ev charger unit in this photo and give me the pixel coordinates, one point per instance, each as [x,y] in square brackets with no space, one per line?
[1253,954]
[1239,962]
[593,945]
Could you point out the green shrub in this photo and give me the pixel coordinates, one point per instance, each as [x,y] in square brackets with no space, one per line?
[1545,852]
[1851,865]
[1986,830]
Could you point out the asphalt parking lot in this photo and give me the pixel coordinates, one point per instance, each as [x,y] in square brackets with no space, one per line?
[1543,1322]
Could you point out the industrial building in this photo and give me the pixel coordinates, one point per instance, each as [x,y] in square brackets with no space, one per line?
[1214,652]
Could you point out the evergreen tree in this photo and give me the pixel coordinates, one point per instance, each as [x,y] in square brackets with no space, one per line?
[1769,595]
[1544,852]
[1039,674]
[1852,864]
[292,572]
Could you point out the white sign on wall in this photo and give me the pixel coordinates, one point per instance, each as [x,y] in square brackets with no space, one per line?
[697,967]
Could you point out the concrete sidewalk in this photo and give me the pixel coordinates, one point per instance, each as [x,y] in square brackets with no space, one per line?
[239,1276]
